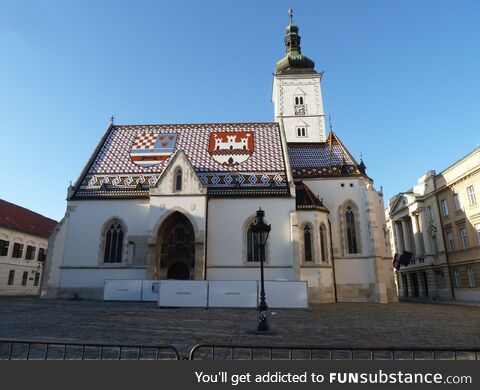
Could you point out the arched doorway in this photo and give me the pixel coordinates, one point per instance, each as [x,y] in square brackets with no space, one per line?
[175,257]
[178,271]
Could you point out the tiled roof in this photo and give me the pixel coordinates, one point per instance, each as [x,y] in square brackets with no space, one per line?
[130,155]
[322,159]
[305,199]
[24,220]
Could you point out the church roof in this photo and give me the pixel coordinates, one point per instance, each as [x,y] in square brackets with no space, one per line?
[228,158]
[24,220]
[329,158]
[305,199]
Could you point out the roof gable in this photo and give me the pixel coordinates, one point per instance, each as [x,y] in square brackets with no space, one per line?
[191,183]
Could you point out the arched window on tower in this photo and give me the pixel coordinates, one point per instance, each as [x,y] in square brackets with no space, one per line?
[307,242]
[114,242]
[178,180]
[351,232]
[323,243]
[301,131]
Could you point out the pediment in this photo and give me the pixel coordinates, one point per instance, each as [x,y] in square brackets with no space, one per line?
[191,184]
[399,203]
[301,123]
[299,91]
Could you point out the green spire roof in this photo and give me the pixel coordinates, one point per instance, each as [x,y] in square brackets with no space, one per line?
[294,62]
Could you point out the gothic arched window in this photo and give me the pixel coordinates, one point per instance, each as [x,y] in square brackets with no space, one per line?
[307,242]
[113,242]
[323,243]
[253,251]
[351,233]
[178,180]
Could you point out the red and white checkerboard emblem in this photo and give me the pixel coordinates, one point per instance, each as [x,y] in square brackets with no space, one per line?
[145,141]
[151,148]
[231,148]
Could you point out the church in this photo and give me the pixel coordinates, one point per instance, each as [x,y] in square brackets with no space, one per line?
[177,201]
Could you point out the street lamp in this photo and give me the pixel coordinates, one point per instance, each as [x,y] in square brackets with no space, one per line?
[260,231]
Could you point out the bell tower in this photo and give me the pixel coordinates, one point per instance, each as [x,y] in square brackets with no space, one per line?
[297,96]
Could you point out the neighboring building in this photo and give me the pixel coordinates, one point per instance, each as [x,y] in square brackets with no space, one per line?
[23,249]
[177,202]
[439,222]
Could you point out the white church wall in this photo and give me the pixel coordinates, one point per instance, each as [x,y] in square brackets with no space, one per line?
[249,272]
[86,222]
[228,221]
[357,276]
[354,271]
[79,278]
[56,249]
[334,195]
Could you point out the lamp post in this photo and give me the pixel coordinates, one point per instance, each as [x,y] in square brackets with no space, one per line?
[260,232]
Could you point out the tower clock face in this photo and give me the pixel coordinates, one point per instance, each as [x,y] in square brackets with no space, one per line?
[299,109]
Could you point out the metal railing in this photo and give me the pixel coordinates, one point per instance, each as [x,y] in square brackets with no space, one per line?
[17,349]
[206,351]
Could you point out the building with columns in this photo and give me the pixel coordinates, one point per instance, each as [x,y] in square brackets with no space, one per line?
[178,201]
[438,221]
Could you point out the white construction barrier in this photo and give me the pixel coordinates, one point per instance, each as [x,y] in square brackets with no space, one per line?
[281,294]
[232,293]
[215,293]
[122,290]
[150,290]
[183,293]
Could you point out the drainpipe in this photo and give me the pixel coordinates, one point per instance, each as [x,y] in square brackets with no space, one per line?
[446,250]
[333,260]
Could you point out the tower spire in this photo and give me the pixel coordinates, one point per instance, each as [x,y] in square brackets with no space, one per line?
[294,61]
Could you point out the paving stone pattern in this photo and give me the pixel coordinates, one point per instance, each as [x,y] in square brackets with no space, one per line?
[355,324]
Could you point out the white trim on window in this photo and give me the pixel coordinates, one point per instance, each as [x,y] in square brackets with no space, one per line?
[463,238]
[451,241]
[472,198]
[444,204]
[472,283]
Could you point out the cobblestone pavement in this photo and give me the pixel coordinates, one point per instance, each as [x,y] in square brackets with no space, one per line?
[356,324]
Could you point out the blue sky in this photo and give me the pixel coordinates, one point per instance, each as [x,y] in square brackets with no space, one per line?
[401,79]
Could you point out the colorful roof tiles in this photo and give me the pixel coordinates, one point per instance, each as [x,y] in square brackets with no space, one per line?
[228,156]
[322,159]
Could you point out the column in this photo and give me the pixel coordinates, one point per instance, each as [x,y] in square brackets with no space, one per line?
[416,236]
[426,236]
[398,237]
[406,236]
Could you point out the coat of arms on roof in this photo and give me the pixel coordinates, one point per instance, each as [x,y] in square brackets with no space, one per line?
[231,148]
[150,148]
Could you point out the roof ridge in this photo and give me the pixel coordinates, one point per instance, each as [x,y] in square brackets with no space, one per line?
[197,124]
